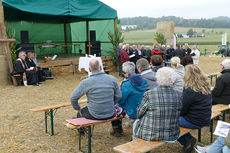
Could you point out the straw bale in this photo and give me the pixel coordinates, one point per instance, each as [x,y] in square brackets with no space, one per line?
[4,71]
[166,28]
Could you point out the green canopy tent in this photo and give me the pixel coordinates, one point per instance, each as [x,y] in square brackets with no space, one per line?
[47,14]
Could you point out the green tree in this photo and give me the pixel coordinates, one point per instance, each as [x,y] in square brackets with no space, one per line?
[190,32]
[115,42]
[203,30]
[159,37]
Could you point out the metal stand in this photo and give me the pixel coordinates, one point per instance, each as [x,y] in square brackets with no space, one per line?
[199,135]
[89,140]
[49,114]
[211,130]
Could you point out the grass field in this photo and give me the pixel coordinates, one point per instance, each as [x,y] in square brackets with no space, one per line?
[211,36]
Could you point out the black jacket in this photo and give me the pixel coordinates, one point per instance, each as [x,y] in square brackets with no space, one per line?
[19,68]
[196,107]
[221,92]
[30,62]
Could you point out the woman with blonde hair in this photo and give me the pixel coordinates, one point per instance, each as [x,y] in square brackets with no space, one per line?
[196,104]
[179,69]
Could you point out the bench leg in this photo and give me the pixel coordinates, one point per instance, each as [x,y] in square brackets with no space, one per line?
[224,115]
[50,114]
[211,130]
[211,80]
[79,140]
[89,139]
[199,135]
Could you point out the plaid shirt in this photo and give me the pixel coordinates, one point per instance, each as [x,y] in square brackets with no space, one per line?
[159,115]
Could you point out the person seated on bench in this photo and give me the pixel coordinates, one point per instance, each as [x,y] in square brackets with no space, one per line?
[221,91]
[197,104]
[156,62]
[145,71]
[132,89]
[186,60]
[30,63]
[159,111]
[30,76]
[221,145]
[102,92]
[179,69]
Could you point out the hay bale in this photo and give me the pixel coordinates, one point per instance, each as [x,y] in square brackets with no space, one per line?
[167,28]
[4,71]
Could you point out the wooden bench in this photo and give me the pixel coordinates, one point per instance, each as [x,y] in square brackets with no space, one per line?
[141,146]
[49,113]
[221,108]
[211,75]
[87,124]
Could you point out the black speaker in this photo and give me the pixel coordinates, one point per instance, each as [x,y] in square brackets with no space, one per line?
[92,35]
[24,37]
[95,49]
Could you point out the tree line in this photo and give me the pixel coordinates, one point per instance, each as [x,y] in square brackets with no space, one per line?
[144,23]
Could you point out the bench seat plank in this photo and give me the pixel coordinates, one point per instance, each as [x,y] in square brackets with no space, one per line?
[220,108]
[47,108]
[215,114]
[72,126]
[141,146]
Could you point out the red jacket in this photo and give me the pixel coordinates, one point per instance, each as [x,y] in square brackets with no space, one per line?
[156,52]
[124,56]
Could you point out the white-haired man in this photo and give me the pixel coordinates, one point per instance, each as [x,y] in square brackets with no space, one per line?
[159,110]
[221,92]
[102,93]
[187,50]
[146,72]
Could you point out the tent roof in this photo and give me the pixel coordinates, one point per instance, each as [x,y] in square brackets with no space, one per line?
[57,10]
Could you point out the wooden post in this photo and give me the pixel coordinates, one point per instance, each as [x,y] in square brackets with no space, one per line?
[87,30]
[115,28]
[6,44]
[65,34]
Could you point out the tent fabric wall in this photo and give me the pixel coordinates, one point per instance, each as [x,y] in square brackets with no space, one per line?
[101,27]
[41,32]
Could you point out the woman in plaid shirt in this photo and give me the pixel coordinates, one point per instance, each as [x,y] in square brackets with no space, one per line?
[160,110]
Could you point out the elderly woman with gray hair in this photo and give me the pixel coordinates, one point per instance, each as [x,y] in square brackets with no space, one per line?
[132,89]
[160,110]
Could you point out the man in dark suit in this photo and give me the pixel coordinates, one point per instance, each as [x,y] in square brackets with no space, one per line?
[30,63]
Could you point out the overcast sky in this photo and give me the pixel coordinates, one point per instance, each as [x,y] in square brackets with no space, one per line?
[194,9]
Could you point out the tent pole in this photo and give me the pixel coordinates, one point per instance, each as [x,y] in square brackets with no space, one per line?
[65,34]
[87,30]
[115,28]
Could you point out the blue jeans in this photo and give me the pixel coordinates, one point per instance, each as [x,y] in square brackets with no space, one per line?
[219,146]
[186,124]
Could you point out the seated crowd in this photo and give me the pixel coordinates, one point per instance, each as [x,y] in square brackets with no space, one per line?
[27,66]
[158,99]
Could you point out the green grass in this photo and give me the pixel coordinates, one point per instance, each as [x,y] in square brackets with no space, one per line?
[211,41]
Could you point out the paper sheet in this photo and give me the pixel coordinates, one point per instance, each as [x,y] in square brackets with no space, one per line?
[222,129]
